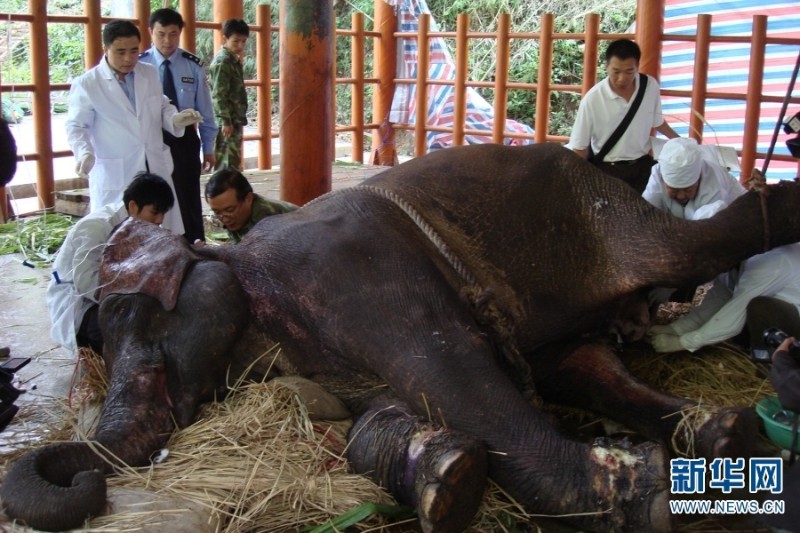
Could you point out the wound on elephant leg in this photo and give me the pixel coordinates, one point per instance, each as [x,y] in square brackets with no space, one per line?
[631,485]
[441,472]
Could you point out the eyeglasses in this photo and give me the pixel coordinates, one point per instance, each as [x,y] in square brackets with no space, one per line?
[227,212]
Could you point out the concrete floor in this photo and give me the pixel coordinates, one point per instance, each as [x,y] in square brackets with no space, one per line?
[25,323]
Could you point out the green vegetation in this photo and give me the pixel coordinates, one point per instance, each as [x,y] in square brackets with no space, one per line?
[67,49]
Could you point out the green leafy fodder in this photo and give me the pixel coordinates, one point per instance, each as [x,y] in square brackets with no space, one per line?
[37,238]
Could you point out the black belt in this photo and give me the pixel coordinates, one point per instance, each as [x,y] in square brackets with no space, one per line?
[626,162]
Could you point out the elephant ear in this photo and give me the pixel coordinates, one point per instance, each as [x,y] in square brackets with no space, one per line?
[141,257]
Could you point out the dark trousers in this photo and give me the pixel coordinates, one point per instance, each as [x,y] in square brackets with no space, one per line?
[186,176]
[89,335]
[634,173]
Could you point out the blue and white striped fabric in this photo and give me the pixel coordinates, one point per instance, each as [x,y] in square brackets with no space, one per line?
[728,70]
[441,98]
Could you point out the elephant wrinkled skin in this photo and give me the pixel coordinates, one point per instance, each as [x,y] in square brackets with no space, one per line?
[462,281]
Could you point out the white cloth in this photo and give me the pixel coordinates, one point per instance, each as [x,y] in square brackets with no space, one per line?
[77,265]
[600,112]
[716,185]
[723,312]
[101,121]
[681,162]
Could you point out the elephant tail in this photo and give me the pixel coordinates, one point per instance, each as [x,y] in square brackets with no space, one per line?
[56,487]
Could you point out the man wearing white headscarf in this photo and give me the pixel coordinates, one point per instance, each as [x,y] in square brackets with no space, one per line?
[689,185]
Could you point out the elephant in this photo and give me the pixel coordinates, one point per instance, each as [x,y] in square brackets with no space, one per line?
[442,301]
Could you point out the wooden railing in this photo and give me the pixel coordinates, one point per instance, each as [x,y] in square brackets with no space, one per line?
[358,81]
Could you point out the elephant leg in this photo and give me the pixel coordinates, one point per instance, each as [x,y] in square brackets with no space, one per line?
[592,377]
[439,471]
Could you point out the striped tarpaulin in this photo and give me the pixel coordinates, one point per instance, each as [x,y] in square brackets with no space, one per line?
[441,98]
[728,70]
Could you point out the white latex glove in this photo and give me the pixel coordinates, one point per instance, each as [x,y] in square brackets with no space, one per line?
[187,117]
[85,165]
[661,329]
[665,343]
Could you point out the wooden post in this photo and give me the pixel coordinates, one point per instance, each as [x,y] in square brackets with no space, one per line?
[501,79]
[460,89]
[385,50]
[543,80]
[306,107]
[590,55]
[755,85]
[224,10]
[264,75]
[700,82]
[421,94]
[357,89]
[93,35]
[649,34]
[141,11]
[40,76]
[188,10]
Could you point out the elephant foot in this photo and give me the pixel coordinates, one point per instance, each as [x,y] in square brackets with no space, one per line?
[725,432]
[631,486]
[449,472]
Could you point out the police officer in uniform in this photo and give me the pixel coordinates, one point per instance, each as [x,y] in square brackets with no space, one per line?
[189,90]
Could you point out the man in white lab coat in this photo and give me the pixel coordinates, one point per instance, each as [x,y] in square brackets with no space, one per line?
[116,113]
[73,290]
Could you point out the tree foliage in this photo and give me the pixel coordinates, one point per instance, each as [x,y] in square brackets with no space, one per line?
[66,46]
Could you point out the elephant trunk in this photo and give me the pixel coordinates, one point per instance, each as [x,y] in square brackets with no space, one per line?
[59,486]
[56,487]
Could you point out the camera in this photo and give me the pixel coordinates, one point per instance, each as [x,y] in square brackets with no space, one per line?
[773,337]
[792,126]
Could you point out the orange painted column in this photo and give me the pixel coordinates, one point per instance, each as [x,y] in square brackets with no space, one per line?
[590,53]
[224,10]
[385,50]
[755,86]
[264,75]
[545,73]
[460,89]
[40,76]
[94,33]
[501,78]
[306,101]
[421,90]
[649,33]
[141,11]
[188,10]
[700,82]
[357,92]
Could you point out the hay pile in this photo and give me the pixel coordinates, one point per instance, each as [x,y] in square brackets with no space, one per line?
[256,462]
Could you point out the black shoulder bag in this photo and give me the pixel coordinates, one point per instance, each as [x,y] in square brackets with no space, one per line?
[596,159]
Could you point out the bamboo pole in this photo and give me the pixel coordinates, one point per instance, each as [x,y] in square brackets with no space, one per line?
[543,81]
